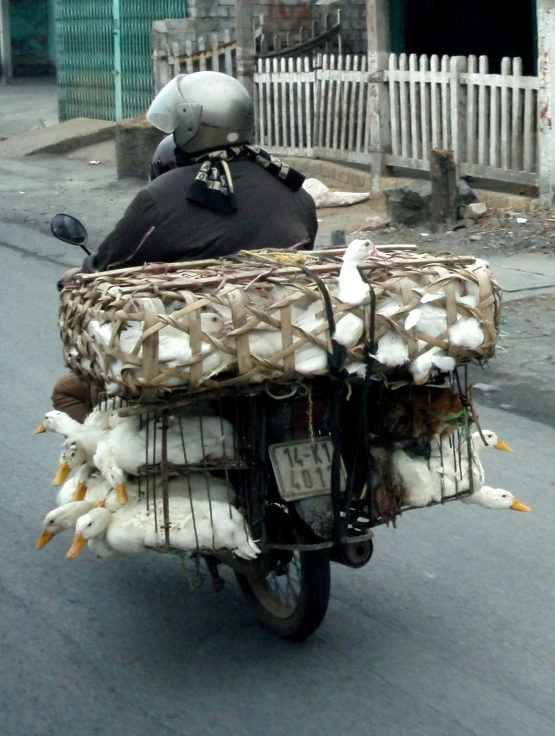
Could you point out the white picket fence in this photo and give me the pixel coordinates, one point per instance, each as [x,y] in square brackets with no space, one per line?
[313,106]
[320,109]
[341,122]
[488,120]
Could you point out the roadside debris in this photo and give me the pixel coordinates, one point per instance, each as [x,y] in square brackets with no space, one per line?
[375,222]
[475,211]
[324,197]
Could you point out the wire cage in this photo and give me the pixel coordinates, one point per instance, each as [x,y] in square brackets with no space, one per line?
[420,444]
[307,465]
[198,445]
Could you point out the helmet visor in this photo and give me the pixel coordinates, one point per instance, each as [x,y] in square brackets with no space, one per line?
[164,110]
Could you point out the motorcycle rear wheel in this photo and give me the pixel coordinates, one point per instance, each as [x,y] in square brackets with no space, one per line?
[292,598]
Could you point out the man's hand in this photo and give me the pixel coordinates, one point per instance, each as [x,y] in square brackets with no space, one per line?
[67,277]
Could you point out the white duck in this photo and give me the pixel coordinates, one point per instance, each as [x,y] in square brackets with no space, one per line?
[102,333]
[193,486]
[213,525]
[309,358]
[99,417]
[75,457]
[456,467]
[61,519]
[431,320]
[422,366]
[266,342]
[91,486]
[444,474]
[59,422]
[174,347]
[196,486]
[254,298]
[67,491]
[422,488]
[128,530]
[189,441]
[466,292]
[348,327]
[466,333]
[78,449]
[497,499]
[421,484]
[352,289]
[62,423]
[204,437]
[393,349]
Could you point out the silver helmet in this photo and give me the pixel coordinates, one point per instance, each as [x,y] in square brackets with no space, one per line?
[204,110]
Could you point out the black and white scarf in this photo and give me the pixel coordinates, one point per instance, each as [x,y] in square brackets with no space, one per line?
[213,185]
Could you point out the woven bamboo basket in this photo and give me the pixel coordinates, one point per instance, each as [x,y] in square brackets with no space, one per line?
[258,294]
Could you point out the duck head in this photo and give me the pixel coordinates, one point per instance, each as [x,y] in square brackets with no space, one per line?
[60,519]
[497,499]
[357,251]
[71,457]
[491,441]
[212,324]
[50,422]
[90,526]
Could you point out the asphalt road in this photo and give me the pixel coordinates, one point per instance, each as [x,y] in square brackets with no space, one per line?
[449,631]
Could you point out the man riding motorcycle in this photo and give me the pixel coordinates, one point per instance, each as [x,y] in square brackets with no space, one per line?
[221,195]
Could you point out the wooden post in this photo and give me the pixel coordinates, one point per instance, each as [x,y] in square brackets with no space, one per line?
[246,51]
[379,45]
[5,42]
[443,206]
[546,100]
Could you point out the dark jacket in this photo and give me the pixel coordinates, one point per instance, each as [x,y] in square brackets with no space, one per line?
[269,215]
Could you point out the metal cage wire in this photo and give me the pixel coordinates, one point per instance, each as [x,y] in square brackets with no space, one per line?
[368,494]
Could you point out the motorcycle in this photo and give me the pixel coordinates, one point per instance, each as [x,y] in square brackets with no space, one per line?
[304,473]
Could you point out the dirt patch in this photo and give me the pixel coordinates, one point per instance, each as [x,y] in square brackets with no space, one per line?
[502,232]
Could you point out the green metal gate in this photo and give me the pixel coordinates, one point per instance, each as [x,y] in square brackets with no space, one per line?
[104,53]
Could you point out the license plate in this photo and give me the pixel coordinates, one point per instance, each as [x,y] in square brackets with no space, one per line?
[303,469]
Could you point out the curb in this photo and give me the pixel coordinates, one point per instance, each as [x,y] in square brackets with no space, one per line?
[338,175]
[59,139]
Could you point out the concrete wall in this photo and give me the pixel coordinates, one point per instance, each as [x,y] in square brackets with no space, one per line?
[283,16]
[279,15]
[353,23]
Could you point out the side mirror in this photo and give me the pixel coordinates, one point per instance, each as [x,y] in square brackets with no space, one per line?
[70,230]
